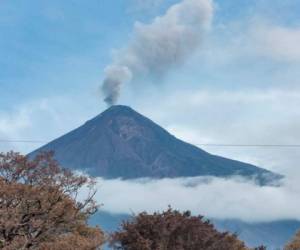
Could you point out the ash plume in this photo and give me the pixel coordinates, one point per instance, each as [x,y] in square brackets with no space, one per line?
[158,47]
[111,86]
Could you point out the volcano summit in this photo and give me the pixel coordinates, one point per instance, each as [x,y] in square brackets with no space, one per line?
[121,143]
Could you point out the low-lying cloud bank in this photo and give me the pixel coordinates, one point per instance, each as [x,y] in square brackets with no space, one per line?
[218,198]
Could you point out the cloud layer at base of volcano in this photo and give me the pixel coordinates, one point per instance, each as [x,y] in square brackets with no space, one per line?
[219,198]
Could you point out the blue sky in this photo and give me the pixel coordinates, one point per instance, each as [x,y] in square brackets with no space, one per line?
[56,46]
[240,86]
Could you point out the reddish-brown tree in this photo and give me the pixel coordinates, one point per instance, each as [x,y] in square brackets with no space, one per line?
[172,230]
[39,208]
[294,244]
[260,248]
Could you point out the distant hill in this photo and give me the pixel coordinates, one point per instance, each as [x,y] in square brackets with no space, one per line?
[274,234]
[123,143]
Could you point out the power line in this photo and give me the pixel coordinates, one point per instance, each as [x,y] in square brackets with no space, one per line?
[251,145]
[198,144]
[22,141]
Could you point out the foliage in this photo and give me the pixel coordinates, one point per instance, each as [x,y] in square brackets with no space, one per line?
[172,230]
[260,248]
[294,244]
[39,207]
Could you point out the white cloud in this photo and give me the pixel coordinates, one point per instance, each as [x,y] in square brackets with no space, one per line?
[251,40]
[248,116]
[213,197]
[278,42]
[13,122]
[42,120]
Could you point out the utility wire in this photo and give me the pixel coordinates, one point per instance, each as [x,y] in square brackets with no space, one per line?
[252,145]
[22,141]
[201,144]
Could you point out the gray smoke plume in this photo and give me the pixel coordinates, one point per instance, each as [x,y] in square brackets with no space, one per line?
[160,46]
[115,75]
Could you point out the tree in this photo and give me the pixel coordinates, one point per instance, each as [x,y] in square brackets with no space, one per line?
[260,248]
[39,208]
[172,230]
[294,244]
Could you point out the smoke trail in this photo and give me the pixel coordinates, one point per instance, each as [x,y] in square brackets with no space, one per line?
[111,86]
[160,46]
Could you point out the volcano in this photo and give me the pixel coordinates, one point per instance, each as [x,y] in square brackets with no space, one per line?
[121,143]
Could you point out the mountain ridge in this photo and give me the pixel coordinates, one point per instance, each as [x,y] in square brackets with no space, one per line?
[121,143]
